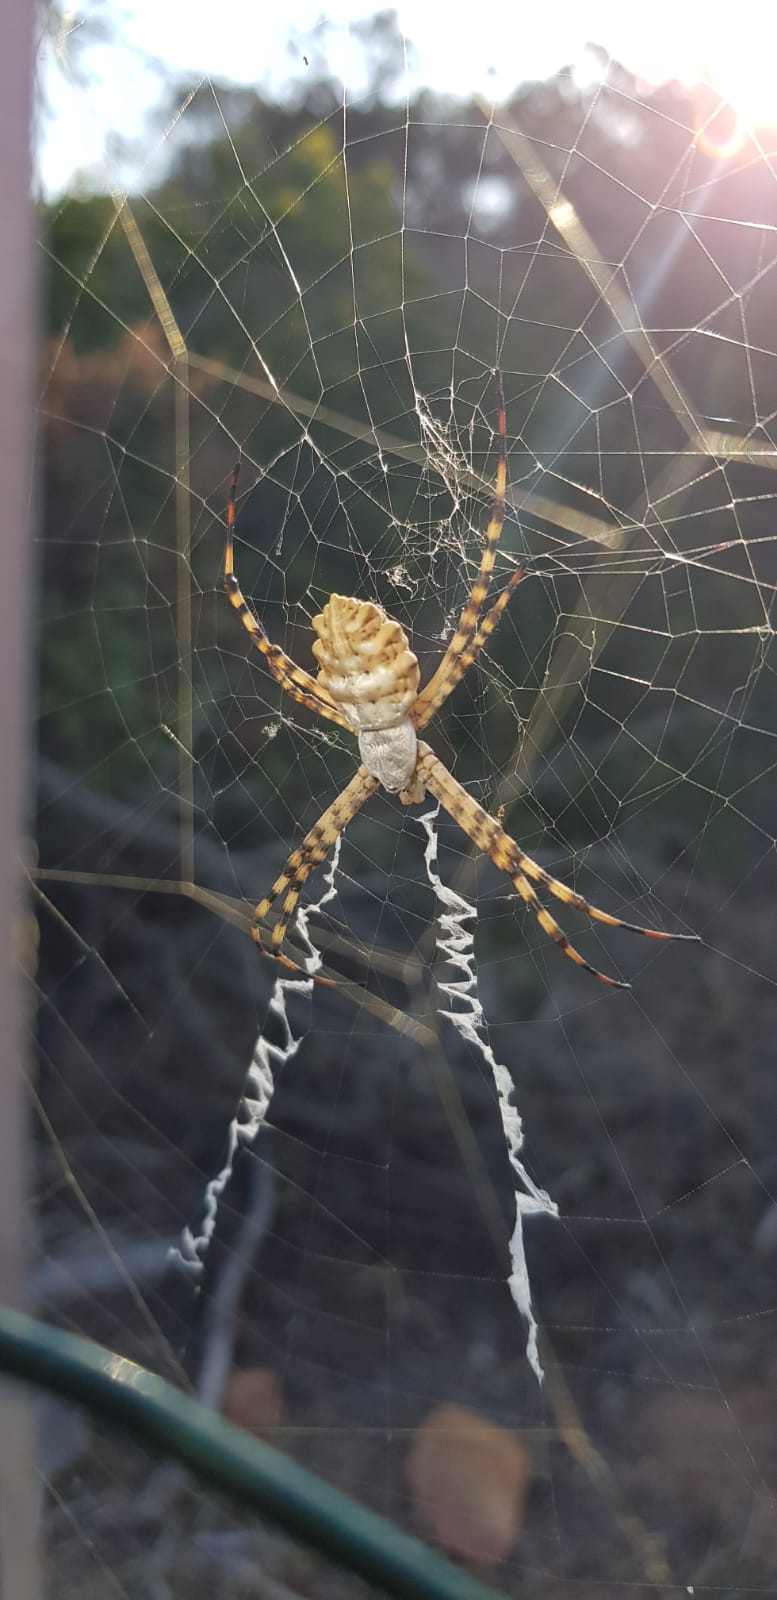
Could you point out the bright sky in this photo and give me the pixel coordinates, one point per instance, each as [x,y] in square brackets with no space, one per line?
[113,83]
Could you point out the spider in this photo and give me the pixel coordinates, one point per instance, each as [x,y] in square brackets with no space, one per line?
[368,682]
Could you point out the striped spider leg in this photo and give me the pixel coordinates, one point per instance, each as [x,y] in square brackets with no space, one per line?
[298,683]
[485,832]
[314,849]
[471,633]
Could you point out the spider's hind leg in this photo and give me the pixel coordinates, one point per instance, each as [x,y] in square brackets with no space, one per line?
[303,861]
[485,832]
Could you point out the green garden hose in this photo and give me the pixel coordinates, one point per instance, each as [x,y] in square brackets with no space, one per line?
[225,1457]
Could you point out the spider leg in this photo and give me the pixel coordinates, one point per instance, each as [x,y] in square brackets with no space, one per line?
[304,860]
[469,636]
[465,660]
[486,833]
[299,684]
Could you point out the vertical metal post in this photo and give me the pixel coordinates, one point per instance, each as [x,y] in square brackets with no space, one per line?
[19,1571]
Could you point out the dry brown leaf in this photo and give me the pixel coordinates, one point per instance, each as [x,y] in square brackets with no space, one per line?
[708,1455]
[254,1399]
[469,1480]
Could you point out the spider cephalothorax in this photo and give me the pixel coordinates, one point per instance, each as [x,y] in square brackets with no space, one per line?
[368,682]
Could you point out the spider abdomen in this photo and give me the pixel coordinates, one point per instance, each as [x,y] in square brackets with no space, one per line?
[365,664]
[390,754]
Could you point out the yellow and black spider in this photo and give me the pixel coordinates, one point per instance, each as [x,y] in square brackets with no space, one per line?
[368,682]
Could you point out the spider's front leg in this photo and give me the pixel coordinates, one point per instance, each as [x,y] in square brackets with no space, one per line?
[303,861]
[296,682]
[472,632]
